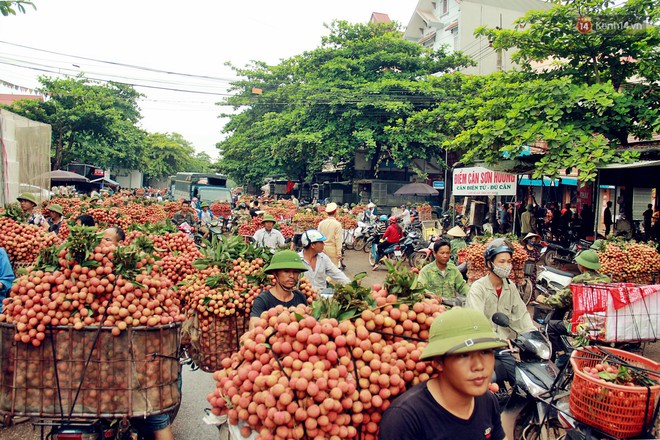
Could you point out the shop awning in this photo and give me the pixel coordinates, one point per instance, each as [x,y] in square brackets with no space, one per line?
[639,164]
[641,174]
[105,181]
[571,181]
[546,181]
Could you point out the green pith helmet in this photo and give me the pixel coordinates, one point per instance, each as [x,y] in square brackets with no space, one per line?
[589,259]
[287,259]
[460,330]
[597,245]
[268,218]
[56,208]
[27,196]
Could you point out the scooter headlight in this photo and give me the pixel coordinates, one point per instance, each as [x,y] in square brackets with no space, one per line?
[533,388]
[540,348]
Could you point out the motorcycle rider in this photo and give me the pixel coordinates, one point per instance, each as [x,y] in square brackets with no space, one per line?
[286,266]
[455,402]
[588,263]
[205,217]
[442,277]
[268,236]
[185,215]
[319,265]
[392,235]
[495,293]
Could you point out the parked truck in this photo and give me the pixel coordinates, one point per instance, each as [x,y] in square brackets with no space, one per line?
[206,187]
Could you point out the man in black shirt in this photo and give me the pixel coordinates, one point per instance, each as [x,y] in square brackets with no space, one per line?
[607,218]
[456,404]
[286,266]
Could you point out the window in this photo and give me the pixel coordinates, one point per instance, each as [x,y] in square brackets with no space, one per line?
[454,33]
[445,6]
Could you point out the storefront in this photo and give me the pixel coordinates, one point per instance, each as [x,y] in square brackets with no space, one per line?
[630,188]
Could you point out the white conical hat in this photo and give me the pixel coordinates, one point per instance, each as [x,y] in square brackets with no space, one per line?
[456,231]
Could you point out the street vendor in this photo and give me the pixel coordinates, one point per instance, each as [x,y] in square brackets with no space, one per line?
[442,277]
[319,266]
[588,263]
[495,293]
[268,236]
[6,274]
[28,204]
[243,215]
[455,403]
[55,214]
[286,266]
[457,242]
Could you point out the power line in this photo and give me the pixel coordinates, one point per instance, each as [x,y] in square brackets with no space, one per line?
[113,63]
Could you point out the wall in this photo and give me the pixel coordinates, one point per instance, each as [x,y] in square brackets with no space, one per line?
[128,178]
[25,157]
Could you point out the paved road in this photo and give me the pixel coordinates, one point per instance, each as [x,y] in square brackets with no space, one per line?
[197,384]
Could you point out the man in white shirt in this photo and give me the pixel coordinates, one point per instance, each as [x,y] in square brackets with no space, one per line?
[319,265]
[268,236]
[405,216]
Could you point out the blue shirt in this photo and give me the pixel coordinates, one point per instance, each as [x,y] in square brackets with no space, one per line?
[6,274]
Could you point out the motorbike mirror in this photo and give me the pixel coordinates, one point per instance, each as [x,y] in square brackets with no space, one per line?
[501,319]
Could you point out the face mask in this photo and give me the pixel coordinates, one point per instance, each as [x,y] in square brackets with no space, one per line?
[502,271]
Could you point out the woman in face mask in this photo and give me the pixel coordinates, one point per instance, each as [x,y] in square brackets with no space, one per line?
[495,293]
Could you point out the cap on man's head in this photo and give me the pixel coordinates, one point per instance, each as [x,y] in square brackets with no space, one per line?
[55,207]
[589,259]
[460,330]
[332,207]
[27,196]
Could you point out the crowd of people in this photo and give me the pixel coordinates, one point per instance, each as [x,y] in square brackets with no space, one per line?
[557,222]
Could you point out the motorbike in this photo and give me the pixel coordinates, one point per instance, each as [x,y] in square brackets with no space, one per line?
[360,236]
[528,401]
[551,280]
[371,236]
[554,254]
[403,250]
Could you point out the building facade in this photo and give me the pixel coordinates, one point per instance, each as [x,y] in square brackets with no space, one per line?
[452,23]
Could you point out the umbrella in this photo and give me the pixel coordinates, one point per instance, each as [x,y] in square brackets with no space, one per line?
[416,189]
[67,176]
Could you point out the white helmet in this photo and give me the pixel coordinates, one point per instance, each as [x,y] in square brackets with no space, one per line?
[311,236]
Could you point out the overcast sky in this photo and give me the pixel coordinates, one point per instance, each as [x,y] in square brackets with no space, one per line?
[158,36]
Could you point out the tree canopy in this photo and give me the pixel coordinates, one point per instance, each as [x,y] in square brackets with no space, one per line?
[11,7]
[599,88]
[330,102]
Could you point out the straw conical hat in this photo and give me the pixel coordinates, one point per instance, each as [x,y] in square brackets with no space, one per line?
[456,231]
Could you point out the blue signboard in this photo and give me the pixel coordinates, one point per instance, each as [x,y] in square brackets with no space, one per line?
[438,184]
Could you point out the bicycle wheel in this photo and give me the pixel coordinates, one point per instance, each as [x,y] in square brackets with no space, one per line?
[549,258]
[529,427]
[372,261]
[526,290]
[418,259]
[358,243]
